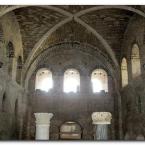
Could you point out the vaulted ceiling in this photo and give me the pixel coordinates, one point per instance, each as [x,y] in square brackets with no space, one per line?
[34,23]
[88,24]
[111,24]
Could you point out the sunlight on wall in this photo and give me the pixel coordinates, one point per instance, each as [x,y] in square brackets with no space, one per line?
[44,80]
[135,61]
[71,81]
[99,80]
[124,72]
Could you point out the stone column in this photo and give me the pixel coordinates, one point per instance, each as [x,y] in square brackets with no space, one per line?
[85,84]
[58,81]
[42,125]
[101,121]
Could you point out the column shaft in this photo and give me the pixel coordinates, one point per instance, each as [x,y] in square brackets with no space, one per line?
[42,125]
[101,132]
[42,132]
[101,121]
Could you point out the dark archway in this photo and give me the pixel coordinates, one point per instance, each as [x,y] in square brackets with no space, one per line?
[70,131]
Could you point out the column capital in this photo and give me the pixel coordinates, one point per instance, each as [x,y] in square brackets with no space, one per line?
[43,118]
[101,117]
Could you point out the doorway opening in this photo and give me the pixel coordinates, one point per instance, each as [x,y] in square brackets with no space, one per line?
[70,131]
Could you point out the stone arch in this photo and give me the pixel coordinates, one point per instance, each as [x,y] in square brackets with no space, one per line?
[128,8]
[102,40]
[56,46]
[7,9]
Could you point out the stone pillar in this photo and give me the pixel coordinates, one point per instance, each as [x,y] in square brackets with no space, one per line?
[58,81]
[101,121]
[85,84]
[42,125]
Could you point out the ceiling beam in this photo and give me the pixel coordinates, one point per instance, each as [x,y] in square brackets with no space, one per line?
[96,8]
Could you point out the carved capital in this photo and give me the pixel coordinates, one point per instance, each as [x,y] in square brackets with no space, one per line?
[101,117]
[43,118]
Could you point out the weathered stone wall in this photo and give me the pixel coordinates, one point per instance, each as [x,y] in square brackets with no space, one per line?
[134,34]
[12,107]
[133,100]
[11,32]
[72,107]
[111,24]
[13,98]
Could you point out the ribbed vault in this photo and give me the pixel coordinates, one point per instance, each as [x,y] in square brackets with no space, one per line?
[106,24]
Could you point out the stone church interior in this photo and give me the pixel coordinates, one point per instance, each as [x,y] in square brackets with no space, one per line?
[72,72]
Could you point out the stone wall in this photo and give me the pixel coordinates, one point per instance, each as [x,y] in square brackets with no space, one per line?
[12,106]
[13,98]
[133,102]
[72,107]
[134,34]
[11,32]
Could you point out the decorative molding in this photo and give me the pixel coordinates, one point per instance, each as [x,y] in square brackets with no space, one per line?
[43,118]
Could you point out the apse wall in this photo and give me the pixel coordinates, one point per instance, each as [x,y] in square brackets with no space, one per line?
[76,107]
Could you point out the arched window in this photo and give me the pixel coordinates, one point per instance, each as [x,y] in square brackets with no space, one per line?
[71,81]
[44,80]
[19,70]
[10,54]
[10,50]
[70,130]
[99,80]
[135,61]
[124,72]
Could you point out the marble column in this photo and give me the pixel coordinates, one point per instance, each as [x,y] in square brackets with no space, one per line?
[101,120]
[42,125]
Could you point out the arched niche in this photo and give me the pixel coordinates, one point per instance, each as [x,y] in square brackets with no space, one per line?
[140,137]
[70,131]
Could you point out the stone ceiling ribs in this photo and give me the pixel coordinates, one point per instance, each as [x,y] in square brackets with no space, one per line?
[106,22]
[34,23]
[111,24]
